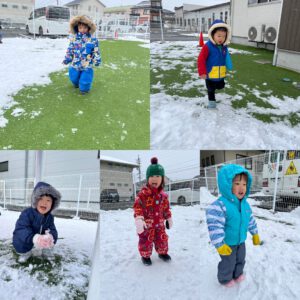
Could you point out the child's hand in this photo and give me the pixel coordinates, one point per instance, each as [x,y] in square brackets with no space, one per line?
[203,76]
[224,250]
[256,240]
[43,241]
[140,225]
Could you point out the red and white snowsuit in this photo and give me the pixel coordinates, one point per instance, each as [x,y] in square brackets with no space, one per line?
[153,205]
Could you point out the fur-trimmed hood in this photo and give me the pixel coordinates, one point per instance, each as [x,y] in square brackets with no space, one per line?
[218,24]
[42,189]
[82,19]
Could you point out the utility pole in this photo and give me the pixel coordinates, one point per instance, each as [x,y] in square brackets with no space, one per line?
[139,168]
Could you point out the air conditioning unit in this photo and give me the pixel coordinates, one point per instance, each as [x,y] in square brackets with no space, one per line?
[256,33]
[271,34]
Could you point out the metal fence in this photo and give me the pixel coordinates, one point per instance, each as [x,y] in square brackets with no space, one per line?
[119,189]
[80,192]
[276,178]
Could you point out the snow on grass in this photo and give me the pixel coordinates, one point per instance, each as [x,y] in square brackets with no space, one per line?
[66,277]
[179,114]
[272,270]
[121,274]
[27,62]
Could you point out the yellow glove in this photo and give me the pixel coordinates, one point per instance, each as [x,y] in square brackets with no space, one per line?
[256,240]
[224,250]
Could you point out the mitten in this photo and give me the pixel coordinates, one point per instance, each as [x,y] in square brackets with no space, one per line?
[49,239]
[140,225]
[39,241]
[224,250]
[256,239]
[169,223]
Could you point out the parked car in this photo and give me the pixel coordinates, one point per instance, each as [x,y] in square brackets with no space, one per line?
[109,195]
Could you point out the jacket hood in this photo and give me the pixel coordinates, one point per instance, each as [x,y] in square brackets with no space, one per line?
[219,24]
[82,19]
[226,176]
[42,189]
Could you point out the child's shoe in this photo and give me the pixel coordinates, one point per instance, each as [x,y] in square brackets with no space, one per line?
[164,257]
[212,104]
[83,92]
[146,261]
[229,284]
[24,257]
[240,278]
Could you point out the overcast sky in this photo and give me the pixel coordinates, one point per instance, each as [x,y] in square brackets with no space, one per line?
[168,4]
[177,164]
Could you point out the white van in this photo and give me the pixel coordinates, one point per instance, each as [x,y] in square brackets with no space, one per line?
[185,195]
[49,20]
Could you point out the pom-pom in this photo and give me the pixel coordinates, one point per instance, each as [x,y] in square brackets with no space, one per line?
[154,160]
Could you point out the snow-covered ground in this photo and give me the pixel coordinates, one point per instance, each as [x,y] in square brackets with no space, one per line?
[69,272]
[29,62]
[272,270]
[123,276]
[186,123]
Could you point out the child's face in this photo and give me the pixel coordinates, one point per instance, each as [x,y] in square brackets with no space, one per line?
[239,186]
[82,28]
[220,37]
[155,181]
[44,204]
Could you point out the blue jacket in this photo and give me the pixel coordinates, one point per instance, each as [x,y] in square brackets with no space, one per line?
[83,51]
[30,223]
[228,218]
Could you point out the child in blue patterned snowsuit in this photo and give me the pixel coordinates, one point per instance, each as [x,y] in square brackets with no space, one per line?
[228,219]
[82,53]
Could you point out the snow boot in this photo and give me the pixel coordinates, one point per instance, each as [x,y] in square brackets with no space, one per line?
[230,283]
[83,92]
[24,257]
[212,105]
[240,278]
[146,261]
[164,257]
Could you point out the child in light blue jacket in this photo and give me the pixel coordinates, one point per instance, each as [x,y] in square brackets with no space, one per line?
[229,218]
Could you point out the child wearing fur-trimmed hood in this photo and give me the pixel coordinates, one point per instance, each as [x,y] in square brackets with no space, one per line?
[35,228]
[83,53]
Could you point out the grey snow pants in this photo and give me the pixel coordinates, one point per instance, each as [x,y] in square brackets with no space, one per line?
[231,266]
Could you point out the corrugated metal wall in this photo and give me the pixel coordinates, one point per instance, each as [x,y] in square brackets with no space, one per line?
[289,34]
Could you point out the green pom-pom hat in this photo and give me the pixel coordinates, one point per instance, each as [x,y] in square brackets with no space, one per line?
[155,169]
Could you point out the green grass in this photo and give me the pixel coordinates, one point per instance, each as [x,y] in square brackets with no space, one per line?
[247,76]
[114,115]
[58,272]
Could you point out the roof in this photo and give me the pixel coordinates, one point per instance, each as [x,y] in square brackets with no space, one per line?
[75,2]
[143,4]
[117,9]
[116,160]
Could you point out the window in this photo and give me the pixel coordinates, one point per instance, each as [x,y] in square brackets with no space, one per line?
[212,159]
[24,7]
[125,184]
[184,23]
[4,5]
[221,15]
[189,22]
[203,162]
[15,6]
[119,184]
[90,8]
[207,161]
[112,184]
[4,166]
[213,17]
[226,16]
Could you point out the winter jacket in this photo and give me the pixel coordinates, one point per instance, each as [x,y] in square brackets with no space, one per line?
[83,52]
[229,218]
[214,60]
[153,205]
[31,222]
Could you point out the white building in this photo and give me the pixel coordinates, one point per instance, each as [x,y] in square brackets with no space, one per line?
[92,8]
[181,10]
[255,22]
[15,11]
[201,19]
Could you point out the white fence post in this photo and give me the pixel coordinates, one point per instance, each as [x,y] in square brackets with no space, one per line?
[78,198]
[276,182]
[170,191]
[192,198]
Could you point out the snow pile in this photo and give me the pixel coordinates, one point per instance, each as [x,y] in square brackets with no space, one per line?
[121,273]
[179,121]
[65,278]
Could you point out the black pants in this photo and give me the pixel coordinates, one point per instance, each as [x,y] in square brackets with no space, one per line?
[232,266]
[212,86]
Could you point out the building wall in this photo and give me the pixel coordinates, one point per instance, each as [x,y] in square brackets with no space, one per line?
[201,20]
[289,60]
[91,8]
[15,11]
[117,176]
[244,15]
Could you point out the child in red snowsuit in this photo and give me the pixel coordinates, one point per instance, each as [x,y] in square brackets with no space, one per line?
[151,210]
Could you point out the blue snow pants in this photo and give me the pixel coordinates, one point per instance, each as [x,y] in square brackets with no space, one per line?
[232,266]
[82,78]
